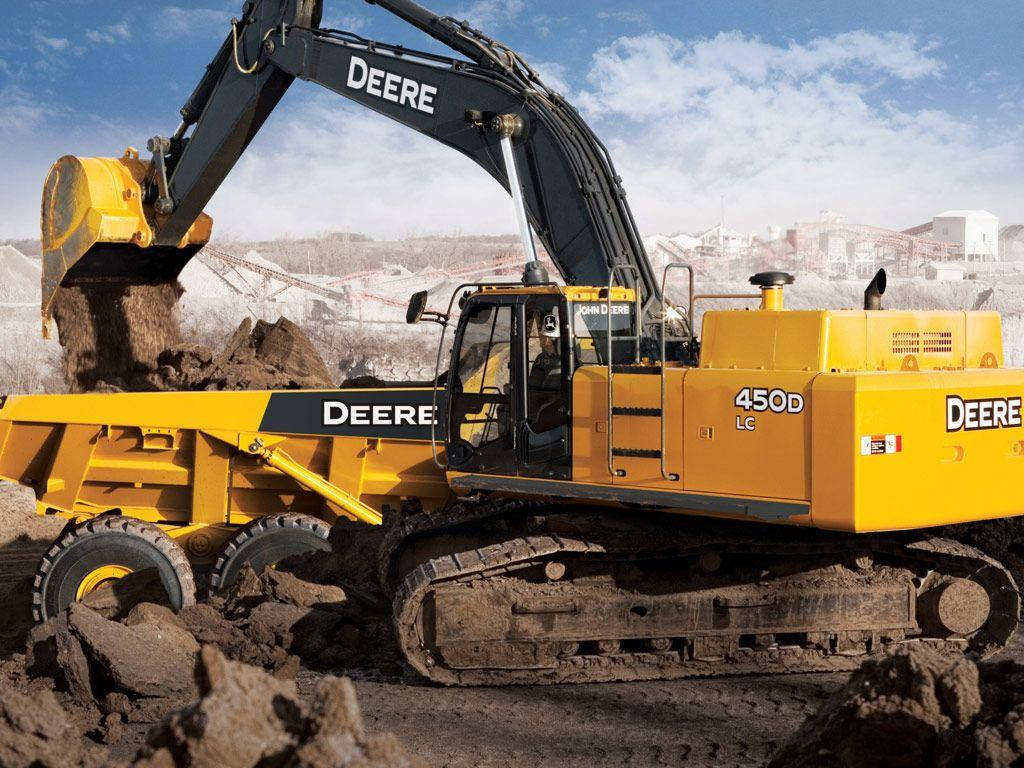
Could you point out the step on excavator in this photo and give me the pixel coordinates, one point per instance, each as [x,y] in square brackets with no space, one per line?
[586,490]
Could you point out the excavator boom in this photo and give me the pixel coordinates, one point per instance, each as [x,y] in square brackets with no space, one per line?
[140,223]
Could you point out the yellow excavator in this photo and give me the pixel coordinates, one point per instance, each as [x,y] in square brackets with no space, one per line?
[586,490]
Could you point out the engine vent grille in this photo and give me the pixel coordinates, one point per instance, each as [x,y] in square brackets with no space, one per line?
[937,341]
[906,343]
[915,342]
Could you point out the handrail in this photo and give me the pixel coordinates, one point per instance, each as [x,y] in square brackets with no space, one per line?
[610,357]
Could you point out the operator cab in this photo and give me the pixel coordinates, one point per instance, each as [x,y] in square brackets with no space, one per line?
[507,403]
[509,385]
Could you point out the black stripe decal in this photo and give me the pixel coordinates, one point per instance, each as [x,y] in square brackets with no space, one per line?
[636,453]
[650,370]
[399,414]
[623,410]
[763,510]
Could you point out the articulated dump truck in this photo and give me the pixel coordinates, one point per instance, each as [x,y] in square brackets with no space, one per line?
[587,489]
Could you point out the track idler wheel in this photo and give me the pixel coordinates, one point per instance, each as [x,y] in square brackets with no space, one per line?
[95,553]
[267,541]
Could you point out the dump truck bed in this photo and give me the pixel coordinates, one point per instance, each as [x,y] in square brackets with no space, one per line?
[179,458]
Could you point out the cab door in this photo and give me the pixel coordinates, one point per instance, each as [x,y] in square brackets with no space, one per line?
[542,437]
[480,402]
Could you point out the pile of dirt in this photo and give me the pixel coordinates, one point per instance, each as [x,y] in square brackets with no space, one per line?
[207,674]
[209,711]
[916,707]
[128,338]
[245,718]
[36,732]
[321,610]
[267,356]
[112,643]
[19,277]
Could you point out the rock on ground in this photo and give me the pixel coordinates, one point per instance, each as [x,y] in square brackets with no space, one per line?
[115,599]
[916,707]
[151,658]
[36,732]
[246,718]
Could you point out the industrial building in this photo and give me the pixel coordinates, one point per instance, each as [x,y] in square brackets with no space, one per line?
[975,233]
[834,247]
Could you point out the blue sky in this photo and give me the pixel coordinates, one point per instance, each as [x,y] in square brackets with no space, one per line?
[889,113]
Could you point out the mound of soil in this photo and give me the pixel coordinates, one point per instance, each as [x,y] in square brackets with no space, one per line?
[246,718]
[128,338]
[35,732]
[267,356]
[916,707]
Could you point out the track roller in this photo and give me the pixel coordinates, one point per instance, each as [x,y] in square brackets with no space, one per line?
[267,541]
[104,549]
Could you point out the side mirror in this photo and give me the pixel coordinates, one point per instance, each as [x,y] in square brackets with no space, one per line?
[417,306]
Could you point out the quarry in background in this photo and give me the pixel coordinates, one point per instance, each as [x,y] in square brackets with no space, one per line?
[348,293]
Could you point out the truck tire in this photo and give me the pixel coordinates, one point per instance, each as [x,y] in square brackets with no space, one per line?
[266,541]
[103,549]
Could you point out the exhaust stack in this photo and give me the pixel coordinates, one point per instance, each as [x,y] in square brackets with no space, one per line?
[873,293]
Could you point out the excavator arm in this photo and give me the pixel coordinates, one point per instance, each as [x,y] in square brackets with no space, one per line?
[573,197]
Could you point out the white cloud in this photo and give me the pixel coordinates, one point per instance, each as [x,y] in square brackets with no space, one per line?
[784,131]
[368,174]
[20,114]
[349,22]
[174,20]
[47,44]
[554,75]
[111,34]
[655,74]
[488,14]
[626,17]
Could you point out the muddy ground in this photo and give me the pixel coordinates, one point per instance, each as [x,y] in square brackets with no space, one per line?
[716,722]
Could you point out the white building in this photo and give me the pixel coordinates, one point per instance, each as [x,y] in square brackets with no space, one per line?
[944,271]
[722,241]
[976,232]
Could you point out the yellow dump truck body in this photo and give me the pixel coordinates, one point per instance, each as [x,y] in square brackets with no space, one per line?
[179,458]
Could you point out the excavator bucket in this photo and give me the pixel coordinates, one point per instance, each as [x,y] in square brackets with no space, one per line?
[98,227]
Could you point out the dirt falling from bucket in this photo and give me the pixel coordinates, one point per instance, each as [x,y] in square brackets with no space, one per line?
[114,333]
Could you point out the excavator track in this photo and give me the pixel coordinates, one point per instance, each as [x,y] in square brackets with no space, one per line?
[644,601]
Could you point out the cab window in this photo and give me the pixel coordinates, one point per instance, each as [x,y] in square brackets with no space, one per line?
[483,375]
